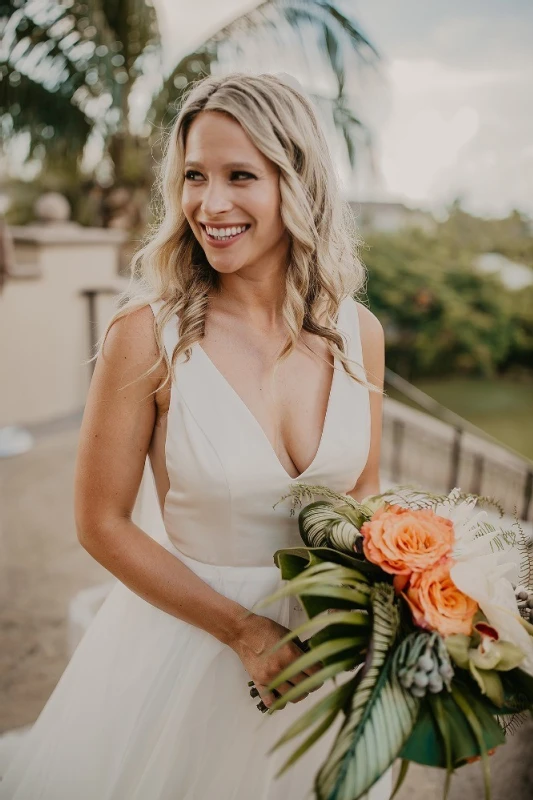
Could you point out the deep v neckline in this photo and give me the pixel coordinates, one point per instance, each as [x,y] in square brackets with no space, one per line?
[255,422]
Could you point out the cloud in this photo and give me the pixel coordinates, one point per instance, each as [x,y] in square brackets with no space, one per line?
[454,131]
[456,119]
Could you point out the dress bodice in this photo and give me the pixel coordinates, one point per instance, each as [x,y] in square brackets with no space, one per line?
[224,475]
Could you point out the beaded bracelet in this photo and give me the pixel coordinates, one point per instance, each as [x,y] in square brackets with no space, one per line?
[254,691]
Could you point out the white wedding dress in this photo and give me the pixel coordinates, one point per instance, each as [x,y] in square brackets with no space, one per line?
[152,708]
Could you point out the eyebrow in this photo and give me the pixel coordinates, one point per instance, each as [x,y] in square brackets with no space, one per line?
[244,165]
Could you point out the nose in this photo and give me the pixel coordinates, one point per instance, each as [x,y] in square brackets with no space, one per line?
[216,199]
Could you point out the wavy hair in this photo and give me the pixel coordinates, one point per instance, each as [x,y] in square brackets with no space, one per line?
[323,265]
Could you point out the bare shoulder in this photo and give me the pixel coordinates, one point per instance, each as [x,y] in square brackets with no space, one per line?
[369,325]
[130,345]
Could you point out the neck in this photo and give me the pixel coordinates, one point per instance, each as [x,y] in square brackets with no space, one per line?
[256,295]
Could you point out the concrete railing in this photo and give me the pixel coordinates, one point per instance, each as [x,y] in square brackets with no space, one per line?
[418,448]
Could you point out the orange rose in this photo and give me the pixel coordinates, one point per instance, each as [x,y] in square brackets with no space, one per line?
[437,603]
[402,541]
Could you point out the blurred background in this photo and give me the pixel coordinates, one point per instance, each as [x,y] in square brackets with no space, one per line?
[425,108]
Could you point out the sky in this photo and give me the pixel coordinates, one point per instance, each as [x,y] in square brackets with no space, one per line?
[453,116]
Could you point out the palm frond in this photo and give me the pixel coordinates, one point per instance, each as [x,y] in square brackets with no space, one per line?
[380,711]
[322,42]
[80,59]
[325,622]
[40,114]
[341,587]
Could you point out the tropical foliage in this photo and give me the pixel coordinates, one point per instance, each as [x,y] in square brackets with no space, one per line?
[440,316]
[73,72]
[429,676]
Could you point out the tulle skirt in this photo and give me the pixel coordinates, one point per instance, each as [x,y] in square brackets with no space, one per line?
[152,708]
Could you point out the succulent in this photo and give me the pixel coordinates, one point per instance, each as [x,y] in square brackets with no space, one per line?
[423,664]
[524,601]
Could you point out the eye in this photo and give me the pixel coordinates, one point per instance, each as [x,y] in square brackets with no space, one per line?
[191,175]
[243,175]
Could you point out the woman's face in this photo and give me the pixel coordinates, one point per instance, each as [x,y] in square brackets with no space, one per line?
[231,197]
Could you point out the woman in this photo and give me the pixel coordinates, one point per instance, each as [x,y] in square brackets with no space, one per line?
[238,368]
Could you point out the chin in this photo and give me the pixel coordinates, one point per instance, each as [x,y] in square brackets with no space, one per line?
[225,268]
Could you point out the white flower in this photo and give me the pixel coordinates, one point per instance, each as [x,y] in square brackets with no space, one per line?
[484,567]
[484,581]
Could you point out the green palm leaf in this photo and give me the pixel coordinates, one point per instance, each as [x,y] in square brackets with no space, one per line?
[318,32]
[319,731]
[312,682]
[339,584]
[325,621]
[334,701]
[293,560]
[334,597]
[380,712]
[325,650]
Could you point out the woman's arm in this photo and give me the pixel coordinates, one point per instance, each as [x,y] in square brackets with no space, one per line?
[373,346]
[115,435]
[116,431]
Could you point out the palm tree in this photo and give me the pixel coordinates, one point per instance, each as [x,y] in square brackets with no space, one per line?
[69,70]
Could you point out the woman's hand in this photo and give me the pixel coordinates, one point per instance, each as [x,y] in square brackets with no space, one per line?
[252,646]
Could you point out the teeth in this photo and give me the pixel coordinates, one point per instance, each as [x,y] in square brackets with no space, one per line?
[225,233]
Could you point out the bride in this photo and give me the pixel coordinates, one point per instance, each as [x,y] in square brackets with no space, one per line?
[240,364]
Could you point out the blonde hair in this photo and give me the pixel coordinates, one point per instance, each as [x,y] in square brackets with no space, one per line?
[323,266]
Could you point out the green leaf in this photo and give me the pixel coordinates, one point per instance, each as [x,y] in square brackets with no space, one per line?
[380,711]
[435,703]
[401,777]
[477,730]
[322,524]
[489,683]
[336,597]
[525,683]
[314,522]
[329,554]
[458,645]
[315,680]
[327,623]
[304,747]
[335,700]
[316,654]
[425,744]
[291,564]
[341,632]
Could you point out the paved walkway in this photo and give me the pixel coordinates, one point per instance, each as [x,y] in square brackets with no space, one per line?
[42,566]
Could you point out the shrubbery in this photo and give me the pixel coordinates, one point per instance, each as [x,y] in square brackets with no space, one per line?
[440,315]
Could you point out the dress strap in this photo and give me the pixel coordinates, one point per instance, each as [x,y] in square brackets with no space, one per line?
[350,327]
[170,331]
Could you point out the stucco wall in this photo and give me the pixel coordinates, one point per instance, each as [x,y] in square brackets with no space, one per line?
[44,329]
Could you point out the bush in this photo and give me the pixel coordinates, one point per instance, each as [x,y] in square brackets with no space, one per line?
[440,316]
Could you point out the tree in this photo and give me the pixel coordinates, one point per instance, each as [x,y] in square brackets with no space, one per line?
[440,316]
[69,70]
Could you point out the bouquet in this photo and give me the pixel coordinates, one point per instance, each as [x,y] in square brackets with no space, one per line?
[428,603]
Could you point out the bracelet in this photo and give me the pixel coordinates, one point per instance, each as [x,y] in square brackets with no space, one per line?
[254,691]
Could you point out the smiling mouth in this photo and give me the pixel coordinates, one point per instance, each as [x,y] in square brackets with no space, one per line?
[224,234]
